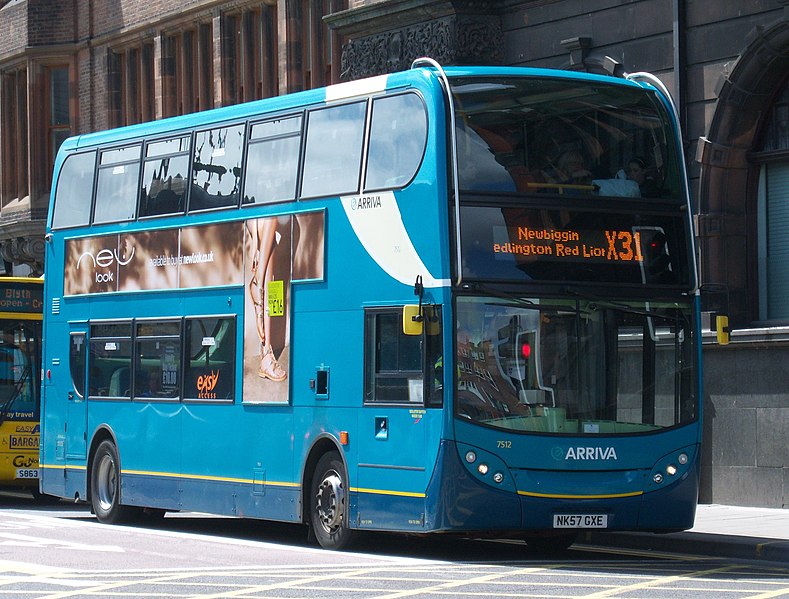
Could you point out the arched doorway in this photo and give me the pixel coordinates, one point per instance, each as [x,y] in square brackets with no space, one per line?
[730,226]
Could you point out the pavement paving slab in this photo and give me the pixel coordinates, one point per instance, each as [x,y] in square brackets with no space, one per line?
[719,531]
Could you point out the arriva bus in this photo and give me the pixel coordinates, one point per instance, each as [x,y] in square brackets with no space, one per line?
[441,300]
[21,304]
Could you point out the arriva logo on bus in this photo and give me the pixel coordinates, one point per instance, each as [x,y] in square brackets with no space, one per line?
[584,453]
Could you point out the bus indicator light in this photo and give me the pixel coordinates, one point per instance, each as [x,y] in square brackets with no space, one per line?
[344,438]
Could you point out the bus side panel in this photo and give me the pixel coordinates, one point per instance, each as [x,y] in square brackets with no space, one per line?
[148,450]
[63,435]
[239,460]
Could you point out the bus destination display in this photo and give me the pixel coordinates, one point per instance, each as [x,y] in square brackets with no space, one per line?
[609,245]
[570,245]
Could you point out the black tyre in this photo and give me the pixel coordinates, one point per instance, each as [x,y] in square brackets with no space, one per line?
[105,487]
[329,503]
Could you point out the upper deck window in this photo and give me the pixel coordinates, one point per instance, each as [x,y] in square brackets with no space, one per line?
[216,167]
[397,141]
[565,137]
[273,161]
[164,177]
[74,191]
[116,190]
[333,154]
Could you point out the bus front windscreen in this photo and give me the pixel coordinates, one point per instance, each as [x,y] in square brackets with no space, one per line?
[576,138]
[574,366]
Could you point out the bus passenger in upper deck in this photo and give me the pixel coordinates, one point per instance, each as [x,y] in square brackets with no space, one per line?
[637,171]
[570,169]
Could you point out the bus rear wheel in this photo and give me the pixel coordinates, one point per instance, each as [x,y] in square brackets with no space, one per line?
[329,503]
[105,487]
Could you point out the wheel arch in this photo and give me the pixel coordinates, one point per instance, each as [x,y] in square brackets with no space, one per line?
[103,433]
[324,444]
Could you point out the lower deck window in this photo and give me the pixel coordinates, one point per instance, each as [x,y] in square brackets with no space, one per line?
[402,368]
[110,362]
[210,358]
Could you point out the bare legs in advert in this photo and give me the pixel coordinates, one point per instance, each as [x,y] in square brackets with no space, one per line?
[263,232]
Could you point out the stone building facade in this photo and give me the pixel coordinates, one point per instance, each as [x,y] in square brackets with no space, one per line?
[71,66]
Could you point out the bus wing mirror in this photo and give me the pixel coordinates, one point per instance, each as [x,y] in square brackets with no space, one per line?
[722,329]
[412,320]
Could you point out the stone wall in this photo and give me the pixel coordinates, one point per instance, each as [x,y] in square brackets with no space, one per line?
[746,420]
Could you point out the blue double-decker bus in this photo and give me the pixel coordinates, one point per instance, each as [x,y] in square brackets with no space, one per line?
[457,300]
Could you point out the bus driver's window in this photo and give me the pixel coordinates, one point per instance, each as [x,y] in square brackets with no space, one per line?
[395,363]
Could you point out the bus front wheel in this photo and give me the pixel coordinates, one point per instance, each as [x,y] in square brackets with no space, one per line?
[329,503]
[105,486]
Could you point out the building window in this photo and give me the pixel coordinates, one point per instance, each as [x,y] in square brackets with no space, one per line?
[321,45]
[773,213]
[14,141]
[59,125]
[131,85]
[249,55]
[187,71]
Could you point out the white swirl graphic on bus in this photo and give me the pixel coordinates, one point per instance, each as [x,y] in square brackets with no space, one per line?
[105,257]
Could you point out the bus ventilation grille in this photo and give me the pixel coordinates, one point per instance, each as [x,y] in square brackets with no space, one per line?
[55,305]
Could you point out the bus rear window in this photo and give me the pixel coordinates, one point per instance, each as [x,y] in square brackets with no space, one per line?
[74,191]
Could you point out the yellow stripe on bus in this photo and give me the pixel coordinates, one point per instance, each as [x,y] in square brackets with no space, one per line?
[385,492]
[225,479]
[564,496]
[57,467]
[248,481]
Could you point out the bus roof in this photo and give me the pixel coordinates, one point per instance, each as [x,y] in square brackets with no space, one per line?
[334,92]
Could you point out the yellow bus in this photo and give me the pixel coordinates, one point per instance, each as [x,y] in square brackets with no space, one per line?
[21,308]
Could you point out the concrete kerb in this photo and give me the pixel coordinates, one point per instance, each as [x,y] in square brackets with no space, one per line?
[694,543]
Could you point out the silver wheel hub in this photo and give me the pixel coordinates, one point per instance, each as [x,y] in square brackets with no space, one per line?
[105,479]
[330,499]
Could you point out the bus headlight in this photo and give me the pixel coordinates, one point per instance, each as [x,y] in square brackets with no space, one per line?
[482,469]
[671,469]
